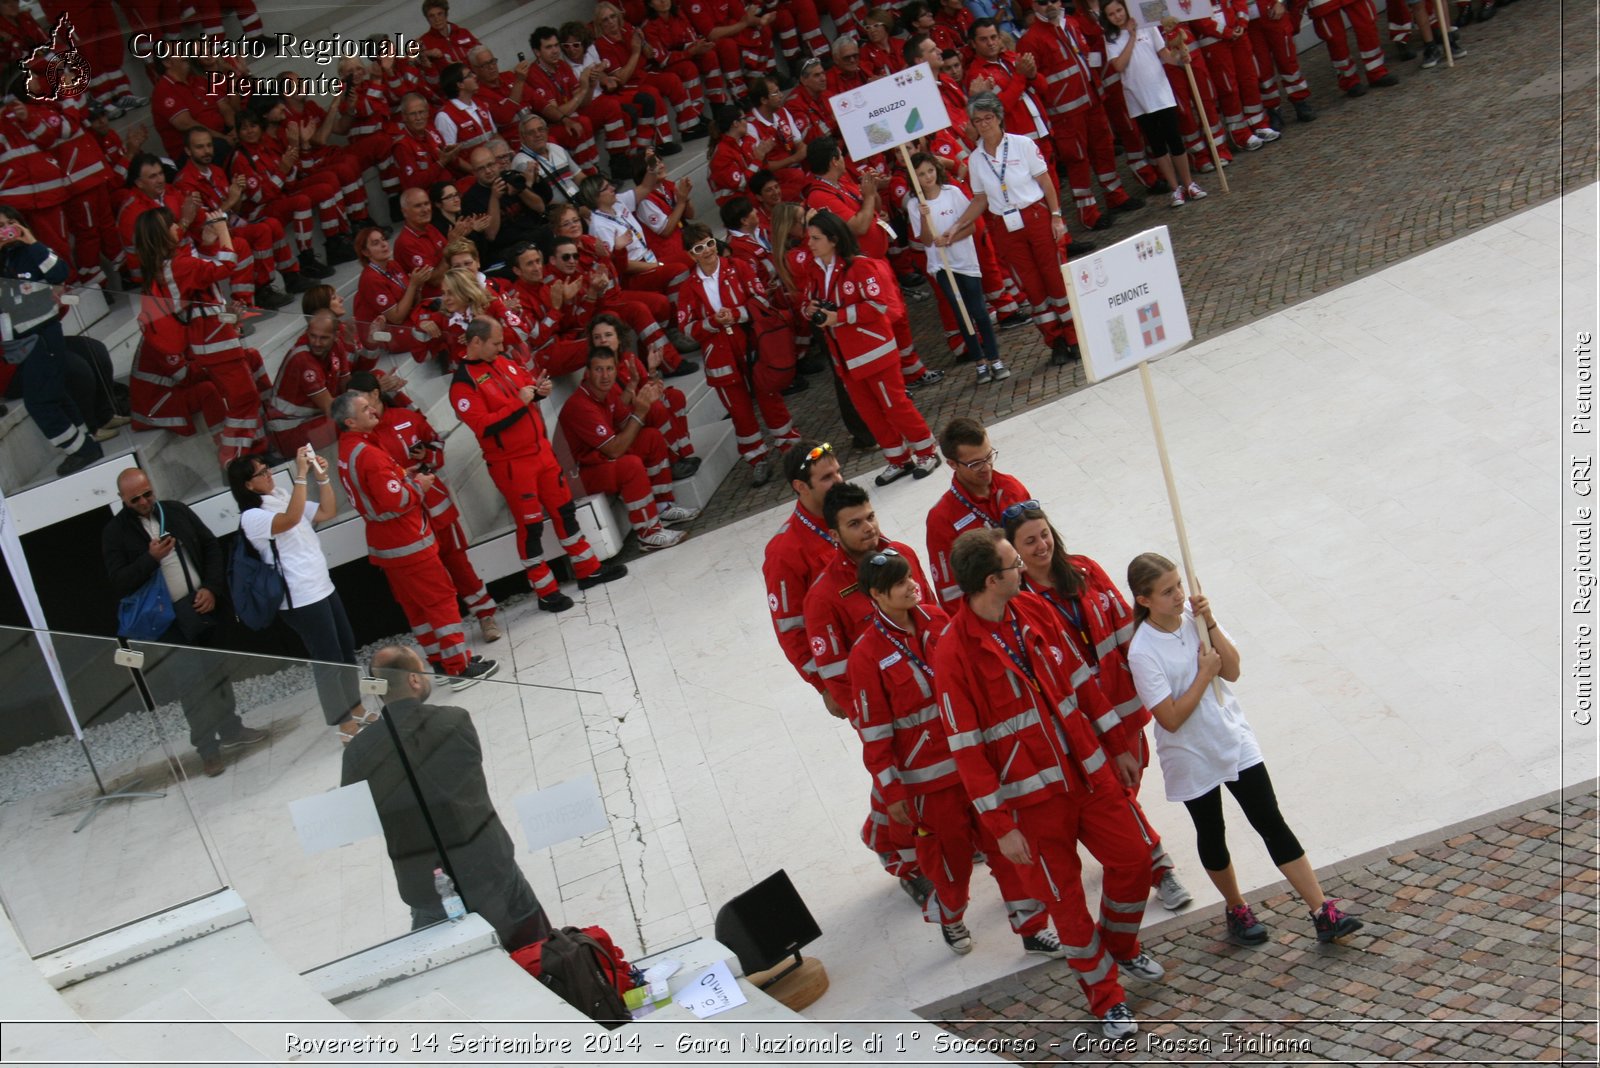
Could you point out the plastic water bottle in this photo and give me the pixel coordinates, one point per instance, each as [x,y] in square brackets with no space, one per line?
[453,908]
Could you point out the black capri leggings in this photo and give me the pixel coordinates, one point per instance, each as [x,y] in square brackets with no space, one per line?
[1161,134]
[1253,791]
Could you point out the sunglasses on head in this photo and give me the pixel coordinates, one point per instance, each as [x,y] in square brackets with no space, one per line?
[814,455]
[1014,512]
[879,559]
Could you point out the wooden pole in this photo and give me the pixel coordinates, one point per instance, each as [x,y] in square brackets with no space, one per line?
[1171,24]
[932,231]
[1444,33]
[1172,499]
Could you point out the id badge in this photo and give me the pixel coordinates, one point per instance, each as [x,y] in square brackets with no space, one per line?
[1013,219]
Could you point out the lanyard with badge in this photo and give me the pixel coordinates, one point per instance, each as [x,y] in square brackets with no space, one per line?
[904,649]
[806,522]
[1011,215]
[627,221]
[1020,659]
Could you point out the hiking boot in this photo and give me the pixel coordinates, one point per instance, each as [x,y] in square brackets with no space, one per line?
[272,299]
[311,267]
[246,736]
[1142,967]
[1105,222]
[1332,923]
[668,148]
[1275,116]
[1356,90]
[660,538]
[491,630]
[478,670]
[1043,944]
[999,371]
[1243,927]
[609,571]
[892,473]
[1131,204]
[298,282]
[919,888]
[1173,894]
[957,937]
[1118,1022]
[556,602]
[923,466]
[338,249]
[1014,322]
[678,514]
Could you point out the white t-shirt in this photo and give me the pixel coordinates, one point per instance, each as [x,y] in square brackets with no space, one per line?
[554,165]
[606,225]
[1144,79]
[946,209]
[1215,743]
[305,569]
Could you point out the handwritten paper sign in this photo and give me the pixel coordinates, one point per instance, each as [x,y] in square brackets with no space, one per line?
[335,818]
[712,991]
[566,810]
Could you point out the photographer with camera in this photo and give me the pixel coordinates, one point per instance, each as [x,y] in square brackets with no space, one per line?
[514,212]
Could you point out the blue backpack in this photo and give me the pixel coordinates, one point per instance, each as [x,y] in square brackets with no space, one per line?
[256,587]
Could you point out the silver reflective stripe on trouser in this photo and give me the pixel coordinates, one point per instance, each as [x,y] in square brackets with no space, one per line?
[1127,916]
[577,558]
[166,381]
[1011,790]
[1021,913]
[453,643]
[426,639]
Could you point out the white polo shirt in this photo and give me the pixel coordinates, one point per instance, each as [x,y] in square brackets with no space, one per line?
[606,225]
[1010,177]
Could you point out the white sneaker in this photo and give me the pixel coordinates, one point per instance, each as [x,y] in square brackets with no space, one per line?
[957,937]
[892,473]
[1142,967]
[1267,133]
[1177,198]
[998,370]
[925,466]
[1173,894]
[660,538]
[1194,192]
[1118,1022]
[677,514]
[1253,143]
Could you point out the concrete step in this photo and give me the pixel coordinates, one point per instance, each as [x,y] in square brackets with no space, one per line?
[40,1025]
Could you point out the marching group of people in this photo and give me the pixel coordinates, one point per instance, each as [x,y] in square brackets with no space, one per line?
[1001,700]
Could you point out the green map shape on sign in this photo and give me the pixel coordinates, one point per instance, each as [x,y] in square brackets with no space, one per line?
[914,121]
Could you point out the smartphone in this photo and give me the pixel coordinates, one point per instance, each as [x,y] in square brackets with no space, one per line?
[522,57]
[9,233]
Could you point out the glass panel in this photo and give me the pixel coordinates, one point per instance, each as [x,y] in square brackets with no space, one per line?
[75,868]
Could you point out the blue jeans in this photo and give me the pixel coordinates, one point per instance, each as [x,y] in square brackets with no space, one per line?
[325,631]
[971,294]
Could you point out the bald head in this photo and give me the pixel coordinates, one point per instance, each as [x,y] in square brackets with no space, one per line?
[403,670]
[133,486]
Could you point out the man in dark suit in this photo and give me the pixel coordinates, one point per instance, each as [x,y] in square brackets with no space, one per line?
[151,535]
[449,808]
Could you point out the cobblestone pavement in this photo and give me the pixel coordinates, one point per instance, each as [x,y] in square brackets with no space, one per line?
[1370,182]
[1480,948]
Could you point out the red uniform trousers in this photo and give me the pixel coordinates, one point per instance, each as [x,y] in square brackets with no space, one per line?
[1363,18]
[701,76]
[1102,822]
[452,543]
[999,289]
[644,311]
[667,417]
[647,115]
[1398,14]
[1035,261]
[1238,86]
[164,394]
[532,487]
[1194,138]
[324,190]
[243,429]
[581,143]
[725,360]
[1127,134]
[797,21]
[1103,152]
[893,842]
[890,414]
[93,226]
[607,121]
[268,247]
[642,477]
[1277,61]
[1069,134]
[292,211]
[657,280]
[423,589]
[848,17]
[669,87]
[946,835]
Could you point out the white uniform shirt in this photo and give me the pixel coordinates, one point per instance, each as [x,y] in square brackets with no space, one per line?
[1010,177]
[554,165]
[1215,743]
[946,208]
[712,284]
[606,225]
[304,568]
[1144,79]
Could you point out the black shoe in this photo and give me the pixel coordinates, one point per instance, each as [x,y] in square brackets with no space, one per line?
[1275,116]
[338,249]
[928,378]
[1386,81]
[1405,53]
[1081,248]
[1431,55]
[297,282]
[799,385]
[682,342]
[812,364]
[686,467]
[1303,112]
[919,888]
[609,572]
[478,670]
[84,457]
[1062,352]
[312,267]
[695,132]
[687,367]
[1105,222]
[1356,90]
[668,148]
[272,299]
[1013,322]
[1131,204]
[556,602]
[1161,187]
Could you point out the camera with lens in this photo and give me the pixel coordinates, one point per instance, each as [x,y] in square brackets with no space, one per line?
[823,307]
[515,180]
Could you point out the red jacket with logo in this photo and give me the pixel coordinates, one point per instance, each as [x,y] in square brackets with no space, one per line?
[957,511]
[386,497]
[485,396]
[796,555]
[894,706]
[863,342]
[836,610]
[399,429]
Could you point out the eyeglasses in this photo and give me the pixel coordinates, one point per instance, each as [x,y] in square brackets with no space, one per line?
[702,246]
[258,472]
[452,195]
[1018,566]
[1014,512]
[982,461]
[814,455]
[566,257]
[879,559]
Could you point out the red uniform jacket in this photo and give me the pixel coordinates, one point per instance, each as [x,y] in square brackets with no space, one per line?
[669,36]
[957,511]
[1020,741]
[815,111]
[845,201]
[1061,57]
[796,555]
[497,101]
[739,286]
[863,343]
[398,431]
[301,375]
[455,42]
[836,611]
[369,110]
[65,134]
[1101,625]
[170,98]
[549,88]
[588,422]
[485,398]
[416,157]
[894,709]
[418,248]
[386,497]
[1011,88]
[732,167]
[29,179]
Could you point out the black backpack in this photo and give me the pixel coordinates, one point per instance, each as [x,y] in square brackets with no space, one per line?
[579,970]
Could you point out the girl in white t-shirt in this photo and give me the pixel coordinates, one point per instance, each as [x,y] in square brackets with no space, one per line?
[943,209]
[1137,53]
[1203,744]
